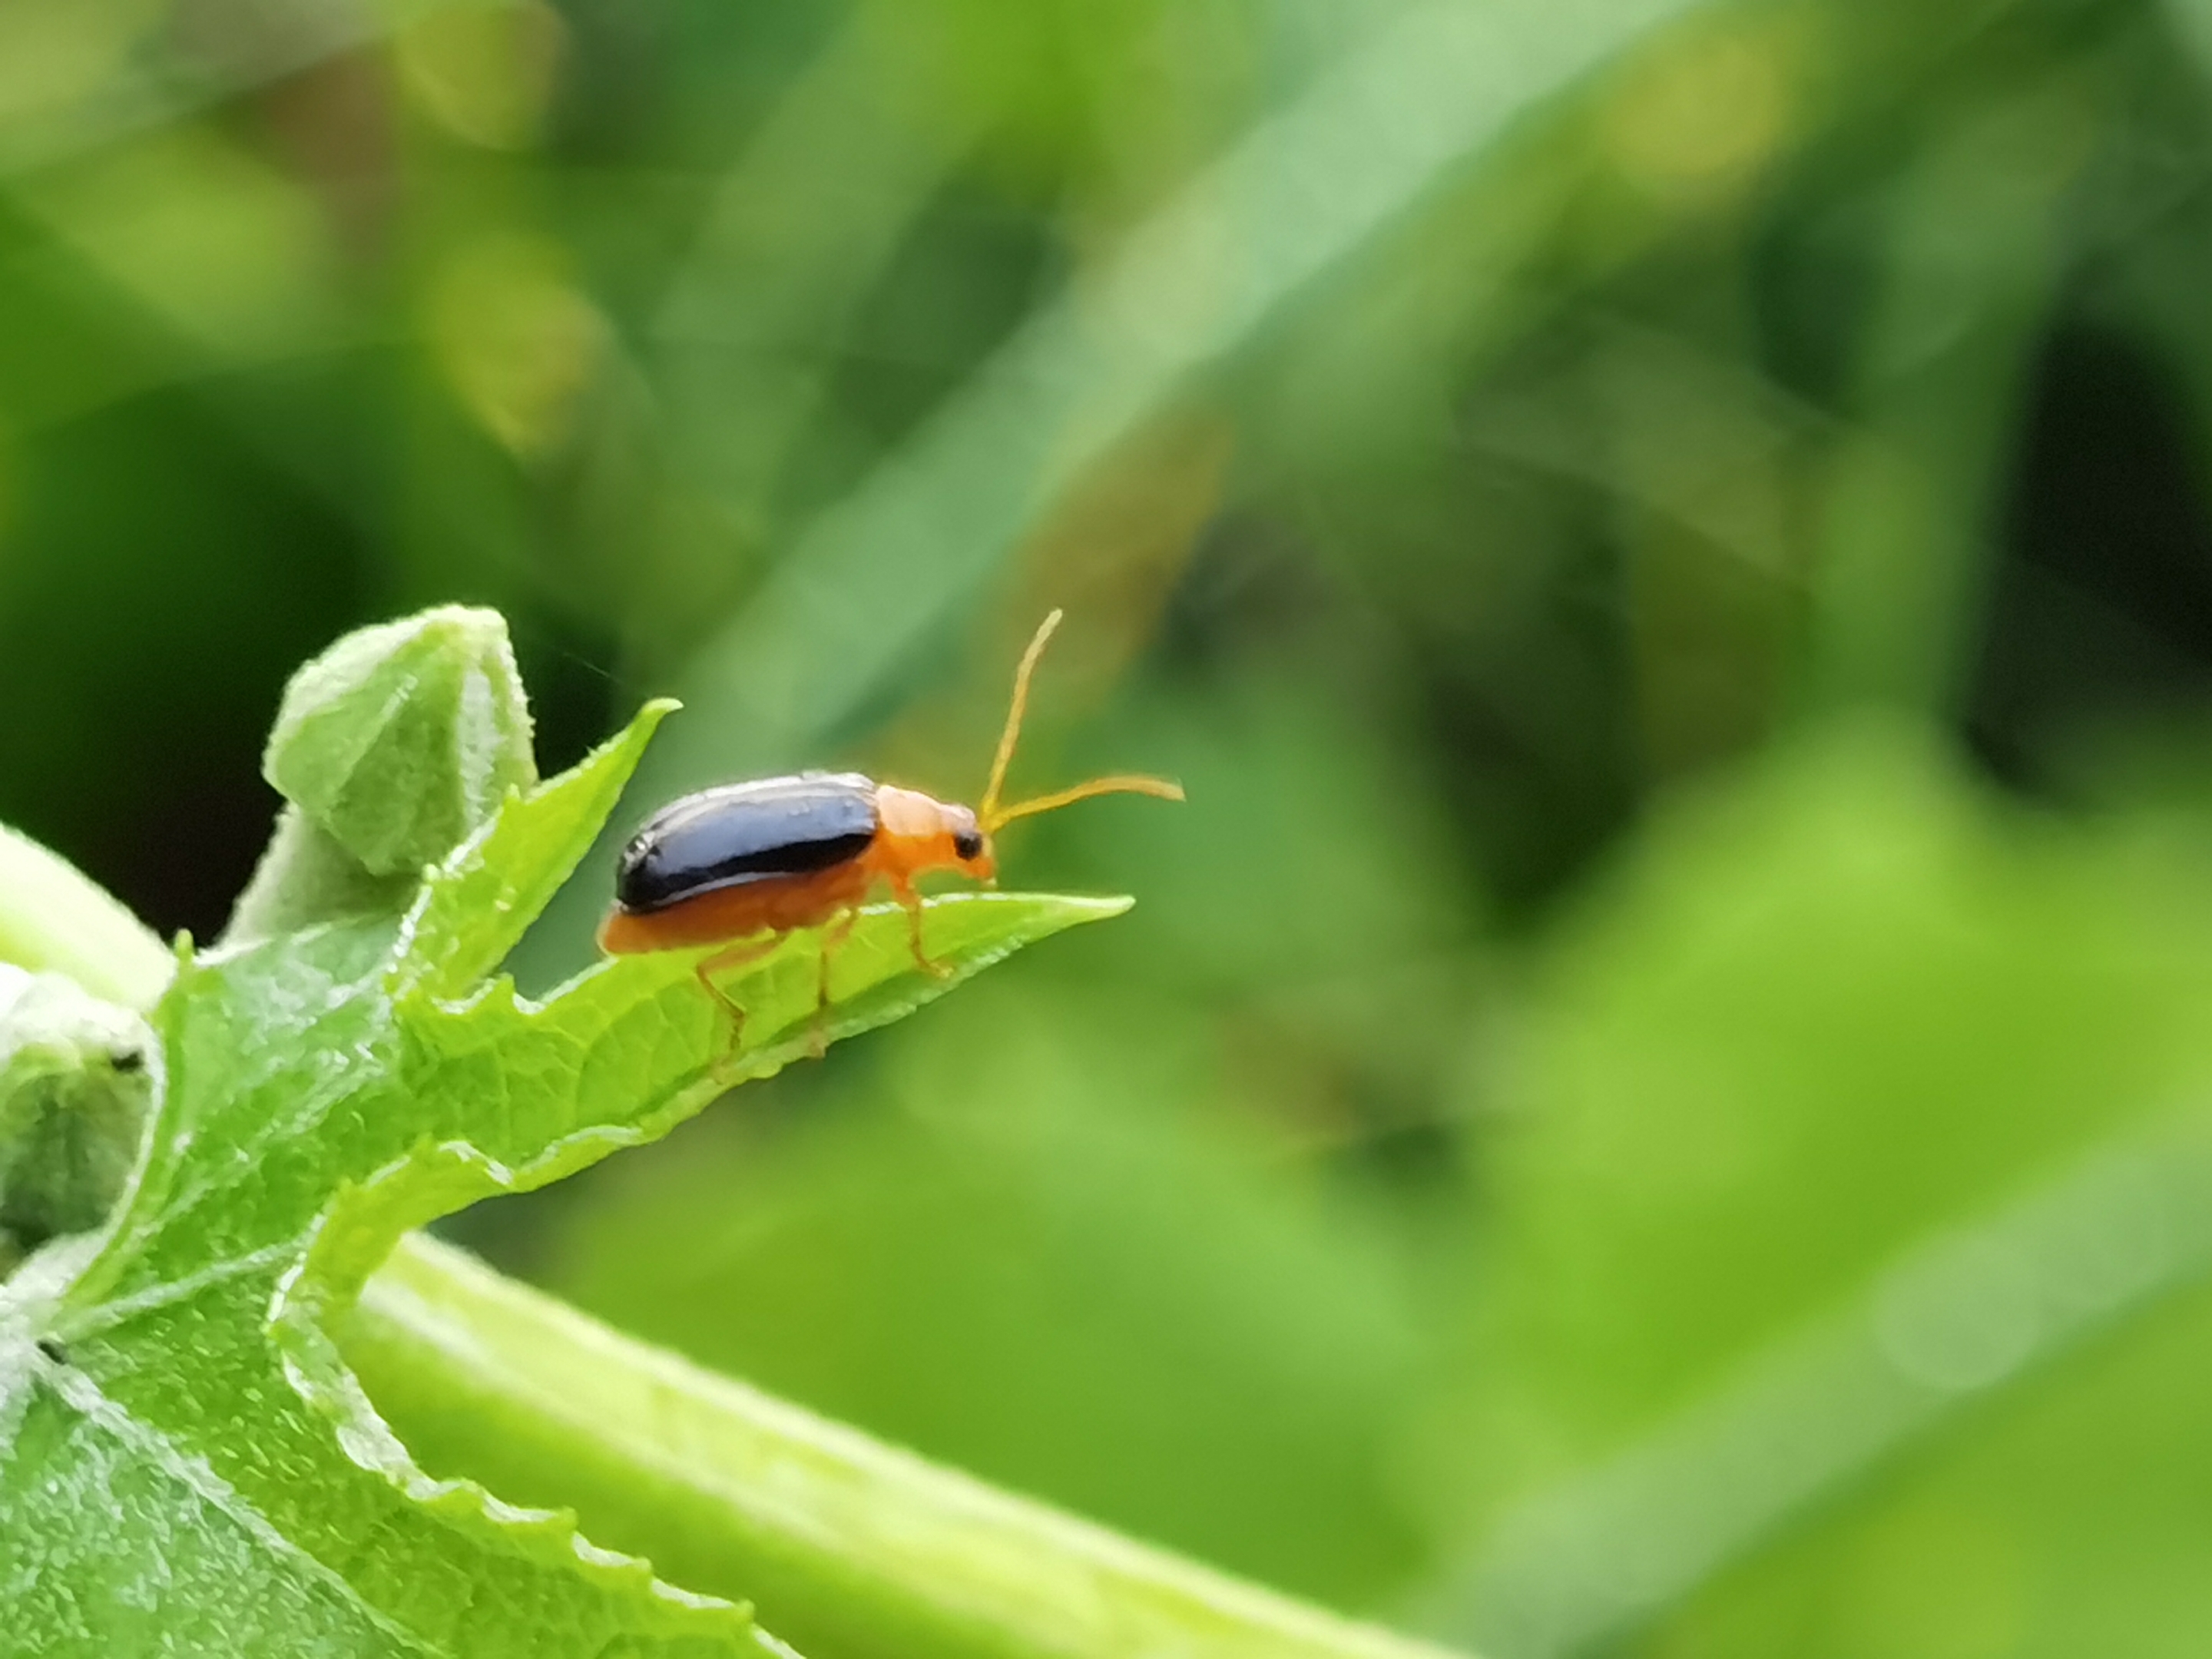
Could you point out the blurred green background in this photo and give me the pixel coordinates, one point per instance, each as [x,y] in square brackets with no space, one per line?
[1657,1099]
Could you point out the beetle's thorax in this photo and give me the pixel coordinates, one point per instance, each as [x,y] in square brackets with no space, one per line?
[921,832]
[909,814]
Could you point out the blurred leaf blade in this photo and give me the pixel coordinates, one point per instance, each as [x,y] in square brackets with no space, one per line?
[1918,481]
[886,569]
[1826,1411]
[1945,1159]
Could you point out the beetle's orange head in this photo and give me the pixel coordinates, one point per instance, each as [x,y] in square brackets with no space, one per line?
[920,832]
[971,846]
[990,815]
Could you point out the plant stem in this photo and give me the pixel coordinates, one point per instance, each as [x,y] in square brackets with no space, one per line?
[849,1548]
[54,919]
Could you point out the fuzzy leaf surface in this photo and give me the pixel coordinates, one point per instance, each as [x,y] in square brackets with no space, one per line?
[184,1464]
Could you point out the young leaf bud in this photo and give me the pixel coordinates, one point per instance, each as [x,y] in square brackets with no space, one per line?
[75,1087]
[391,749]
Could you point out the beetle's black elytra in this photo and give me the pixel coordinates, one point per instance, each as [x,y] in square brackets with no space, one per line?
[746,832]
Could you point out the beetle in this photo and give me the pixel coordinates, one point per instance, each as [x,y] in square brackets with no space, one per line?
[744,865]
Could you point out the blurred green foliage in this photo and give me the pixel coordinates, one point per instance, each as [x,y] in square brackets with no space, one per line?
[1667,541]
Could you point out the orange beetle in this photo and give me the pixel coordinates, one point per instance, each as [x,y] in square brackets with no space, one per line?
[747,863]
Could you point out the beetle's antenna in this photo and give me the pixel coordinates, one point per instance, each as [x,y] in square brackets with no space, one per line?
[1119,784]
[987,812]
[990,815]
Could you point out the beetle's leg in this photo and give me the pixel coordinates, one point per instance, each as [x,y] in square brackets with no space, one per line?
[904,893]
[834,934]
[732,955]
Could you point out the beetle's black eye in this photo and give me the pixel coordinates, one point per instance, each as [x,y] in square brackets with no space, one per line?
[968,843]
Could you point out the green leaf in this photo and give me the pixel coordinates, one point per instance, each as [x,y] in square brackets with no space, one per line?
[186,1462]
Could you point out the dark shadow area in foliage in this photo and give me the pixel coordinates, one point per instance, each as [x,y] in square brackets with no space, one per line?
[2099,606]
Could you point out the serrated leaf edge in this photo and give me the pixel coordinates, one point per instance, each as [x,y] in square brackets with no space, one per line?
[365,1220]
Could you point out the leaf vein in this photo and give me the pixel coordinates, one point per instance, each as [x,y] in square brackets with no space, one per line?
[107,1315]
[81,1393]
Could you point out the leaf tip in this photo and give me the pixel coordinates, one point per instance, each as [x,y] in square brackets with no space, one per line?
[1102,907]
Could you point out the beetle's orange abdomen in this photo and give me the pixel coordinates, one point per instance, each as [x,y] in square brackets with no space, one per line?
[777,904]
[729,863]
